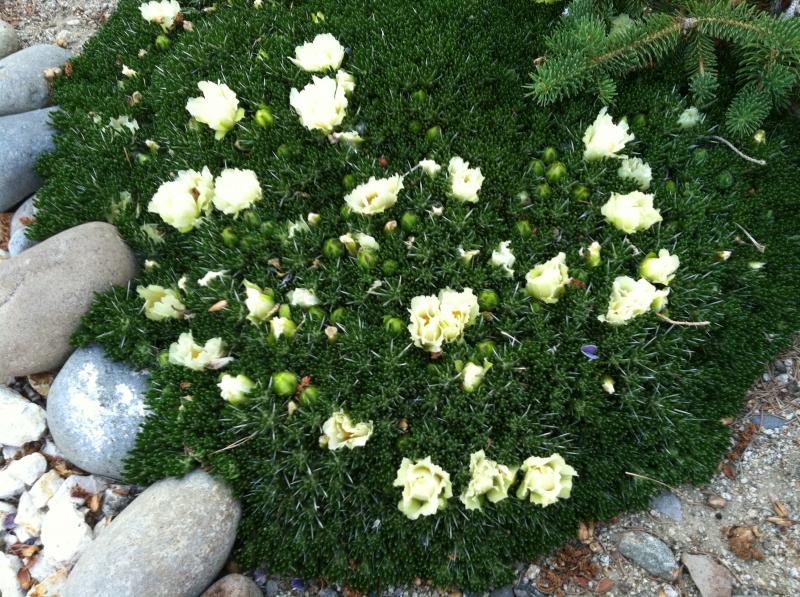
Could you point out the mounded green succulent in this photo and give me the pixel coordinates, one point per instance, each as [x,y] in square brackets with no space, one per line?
[433,80]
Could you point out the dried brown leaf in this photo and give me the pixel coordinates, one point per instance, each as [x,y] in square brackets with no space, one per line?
[604,586]
[743,541]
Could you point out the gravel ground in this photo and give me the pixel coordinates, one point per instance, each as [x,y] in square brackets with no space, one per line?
[747,518]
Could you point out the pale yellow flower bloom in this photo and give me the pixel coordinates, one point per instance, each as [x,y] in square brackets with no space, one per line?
[636,170]
[473,375]
[236,190]
[547,281]
[660,269]
[163,13]
[260,305]
[188,353]
[161,303]
[426,488]
[324,53]
[604,139]
[632,212]
[504,258]
[181,202]
[465,182]
[376,195]
[631,298]
[218,107]
[489,481]
[235,388]
[321,105]
[340,432]
[545,480]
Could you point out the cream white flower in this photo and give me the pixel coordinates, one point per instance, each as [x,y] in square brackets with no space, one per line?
[473,375]
[324,53]
[349,137]
[302,297]
[181,202]
[235,388]
[120,123]
[236,190]
[340,432]
[660,269]
[163,13]
[755,265]
[161,303]
[690,117]
[260,305]
[321,105]
[591,254]
[724,255]
[632,212]
[458,310]
[299,226]
[468,256]
[426,323]
[376,195]
[545,480]
[426,488]
[313,219]
[218,108]
[489,481]
[209,277]
[188,353]
[465,182]
[152,145]
[346,81]
[128,72]
[365,241]
[503,257]
[604,139]
[547,281]
[430,167]
[608,385]
[183,282]
[282,326]
[636,170]
[631,298]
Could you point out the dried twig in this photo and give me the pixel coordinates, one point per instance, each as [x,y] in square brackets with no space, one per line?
[683,323]
[759,247]
[738,151]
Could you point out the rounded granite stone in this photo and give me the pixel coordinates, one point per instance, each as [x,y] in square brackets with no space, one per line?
[94,411]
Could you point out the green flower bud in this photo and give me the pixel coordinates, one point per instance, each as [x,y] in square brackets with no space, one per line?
[537,167]
[434,133]
[543,190]
[264,117]
[229,237]
[550,154]
[284,383]
[670,186]
[459,365]
[349,181]
[285,311]
[415,126]
[142,158]
[163,358]
[390,267]
[252,218]
[485,348]
[581,193]
[367,258]
[700,154]
[725,180]
[419,96]
[316,313]
[488,299]
[556,171]
[404,443]
[284,150]
[309,395]
[162,42]
[393,325]
[338,315]
[524,228]
[332,248]
[409,222]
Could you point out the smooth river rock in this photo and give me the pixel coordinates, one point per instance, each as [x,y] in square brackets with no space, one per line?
[21,421]
[94,411]
[23,138]
[23,86]
[9,42]
[233,585]
[25,213]
[171,541]
[45,291]
[650,553]
[20,242]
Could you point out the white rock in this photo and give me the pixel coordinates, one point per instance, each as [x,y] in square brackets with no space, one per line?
[50,449]
[50,586]
[6,509]
[29,516]
[21,421]
[45,488]
[65,533]
[21,473]
[10,452]
[9,565]
[87,484]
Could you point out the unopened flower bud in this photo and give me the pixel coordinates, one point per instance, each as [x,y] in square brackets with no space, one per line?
[284,383]
[264,117]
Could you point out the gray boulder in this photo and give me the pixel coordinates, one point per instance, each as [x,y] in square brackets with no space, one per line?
[233,585]
[20,242]
[94,411]
[24,213]
[23,138]
[23,86]
[171,541]
[650,553]
[9,42]
[45,291]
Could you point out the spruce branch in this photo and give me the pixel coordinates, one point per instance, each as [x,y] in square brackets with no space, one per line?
[579,60]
